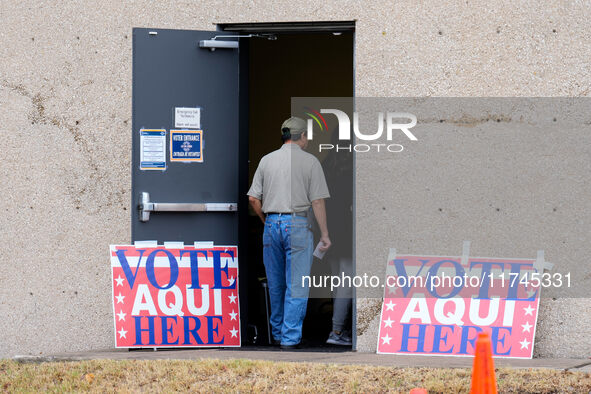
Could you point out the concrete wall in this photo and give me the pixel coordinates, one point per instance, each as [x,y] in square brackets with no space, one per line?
[65,109]
[508,174]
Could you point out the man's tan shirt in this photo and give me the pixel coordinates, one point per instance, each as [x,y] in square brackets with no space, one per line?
[288,180]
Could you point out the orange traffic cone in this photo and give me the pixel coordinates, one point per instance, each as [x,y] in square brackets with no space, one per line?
[418,391]
[483,370]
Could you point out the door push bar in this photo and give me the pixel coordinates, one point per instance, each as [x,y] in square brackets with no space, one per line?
[146,206]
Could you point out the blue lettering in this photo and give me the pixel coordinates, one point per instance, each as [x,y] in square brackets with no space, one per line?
[438,339]
[217,269]
[174,269]
[125,265]
[401,271]
[167,330]
[193,254]
[485,277]
[420,337]
[459,273]
[211,330]
[514,284]
[496,339]
[139,330]
[191,331]
[465,338]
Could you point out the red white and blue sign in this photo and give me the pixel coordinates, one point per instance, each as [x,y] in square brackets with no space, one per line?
[175,297]
[443,313]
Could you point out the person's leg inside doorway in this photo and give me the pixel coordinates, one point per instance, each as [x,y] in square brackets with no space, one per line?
[274,261]
[299,243]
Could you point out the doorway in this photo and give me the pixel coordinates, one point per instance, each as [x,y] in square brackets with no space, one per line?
[309,59]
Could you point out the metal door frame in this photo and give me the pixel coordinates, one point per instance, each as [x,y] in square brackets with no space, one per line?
[244,110]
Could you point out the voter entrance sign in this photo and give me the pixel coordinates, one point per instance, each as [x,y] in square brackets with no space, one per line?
[183,296]
[437,305]
[186,145]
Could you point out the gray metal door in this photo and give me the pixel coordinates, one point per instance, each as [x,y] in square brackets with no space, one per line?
[188,201]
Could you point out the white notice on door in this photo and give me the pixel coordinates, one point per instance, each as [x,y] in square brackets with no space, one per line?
[187,118]
[153,149]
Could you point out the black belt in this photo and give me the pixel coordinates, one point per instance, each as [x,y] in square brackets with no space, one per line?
[303,213]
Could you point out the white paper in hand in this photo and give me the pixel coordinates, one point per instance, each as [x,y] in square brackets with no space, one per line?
[319,253]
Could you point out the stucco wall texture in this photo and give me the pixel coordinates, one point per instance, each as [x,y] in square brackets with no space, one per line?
[65,119]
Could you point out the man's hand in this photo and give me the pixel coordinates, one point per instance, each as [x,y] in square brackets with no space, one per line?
[320,213]
[326,243]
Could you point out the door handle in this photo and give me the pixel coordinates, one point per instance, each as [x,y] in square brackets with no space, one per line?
[146,206]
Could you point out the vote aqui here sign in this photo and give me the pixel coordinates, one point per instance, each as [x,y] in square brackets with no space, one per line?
[442,313]
[175,297]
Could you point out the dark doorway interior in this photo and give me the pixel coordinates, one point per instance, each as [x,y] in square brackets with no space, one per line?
[312,64]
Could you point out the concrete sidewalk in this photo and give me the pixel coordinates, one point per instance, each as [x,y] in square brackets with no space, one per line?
[323,355]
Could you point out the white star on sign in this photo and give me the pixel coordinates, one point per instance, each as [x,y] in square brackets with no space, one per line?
[121,316]
[234,332]
[386,340]
[232,298]
[392,290]
[119,280]
[231,280]
[120,298]
[524,344]
[233,315]
[390,306]
[122,333]
[388,323]
[526,327]
[529,310]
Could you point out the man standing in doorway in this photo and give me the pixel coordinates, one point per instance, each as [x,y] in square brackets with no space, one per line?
[286,184]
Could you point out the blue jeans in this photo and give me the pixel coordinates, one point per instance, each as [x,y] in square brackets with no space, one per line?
[287,254]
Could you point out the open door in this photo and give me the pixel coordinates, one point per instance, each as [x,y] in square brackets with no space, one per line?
[185,200]
[171,71]
[244,90]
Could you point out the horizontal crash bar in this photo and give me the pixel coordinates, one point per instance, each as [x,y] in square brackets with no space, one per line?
[146,206]
[192,207]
